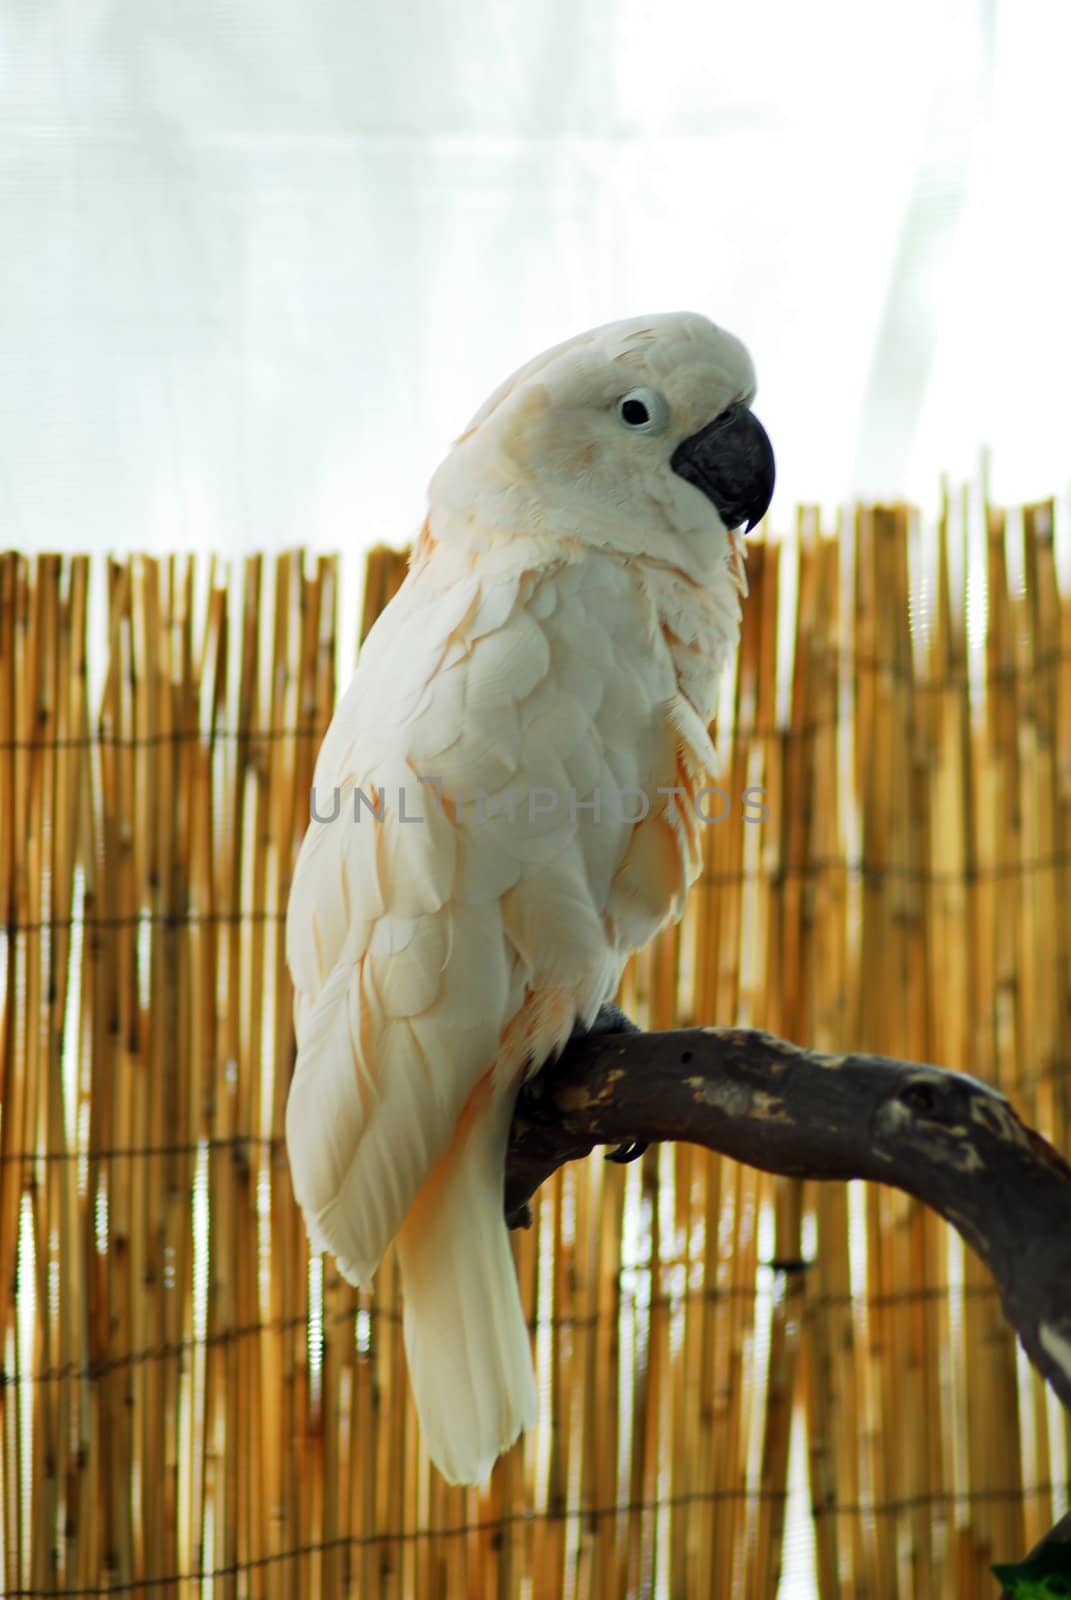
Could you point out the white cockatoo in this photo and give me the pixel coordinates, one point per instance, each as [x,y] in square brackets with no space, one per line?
[504,810]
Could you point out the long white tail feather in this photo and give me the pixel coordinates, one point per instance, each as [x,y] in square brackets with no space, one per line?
[470,1360]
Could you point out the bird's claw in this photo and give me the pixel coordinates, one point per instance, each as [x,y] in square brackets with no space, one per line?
[520,1216]
[631,1151]
[610,1019]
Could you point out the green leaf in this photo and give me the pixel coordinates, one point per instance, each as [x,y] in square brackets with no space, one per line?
[1045,1576]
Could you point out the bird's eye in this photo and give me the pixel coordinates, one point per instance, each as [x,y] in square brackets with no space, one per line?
[643,411]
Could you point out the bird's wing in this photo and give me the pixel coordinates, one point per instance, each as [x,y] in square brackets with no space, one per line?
[428,953]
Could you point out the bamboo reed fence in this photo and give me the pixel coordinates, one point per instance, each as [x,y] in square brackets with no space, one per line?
[191,1406]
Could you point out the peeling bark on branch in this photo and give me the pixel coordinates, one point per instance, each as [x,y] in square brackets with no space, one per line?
[945,1138]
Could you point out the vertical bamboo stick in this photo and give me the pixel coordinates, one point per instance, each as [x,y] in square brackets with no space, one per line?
[828,1331]
[70,844]
[1045,921]
[741,1529]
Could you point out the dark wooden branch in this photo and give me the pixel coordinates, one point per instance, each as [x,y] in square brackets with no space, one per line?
[946,1138]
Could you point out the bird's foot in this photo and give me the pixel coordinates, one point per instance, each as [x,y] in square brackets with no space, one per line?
[611,1019]
[627,1152]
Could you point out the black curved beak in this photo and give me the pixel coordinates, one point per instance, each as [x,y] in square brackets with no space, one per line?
[732,461]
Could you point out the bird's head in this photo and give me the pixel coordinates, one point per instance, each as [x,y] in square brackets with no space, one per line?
[637,437]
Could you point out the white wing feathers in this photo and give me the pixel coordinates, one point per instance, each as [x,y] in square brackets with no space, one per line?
[426,980]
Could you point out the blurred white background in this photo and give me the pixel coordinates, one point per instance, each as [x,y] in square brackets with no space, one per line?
[262,260]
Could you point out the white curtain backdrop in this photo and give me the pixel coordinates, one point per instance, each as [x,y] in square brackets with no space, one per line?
[261,260]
